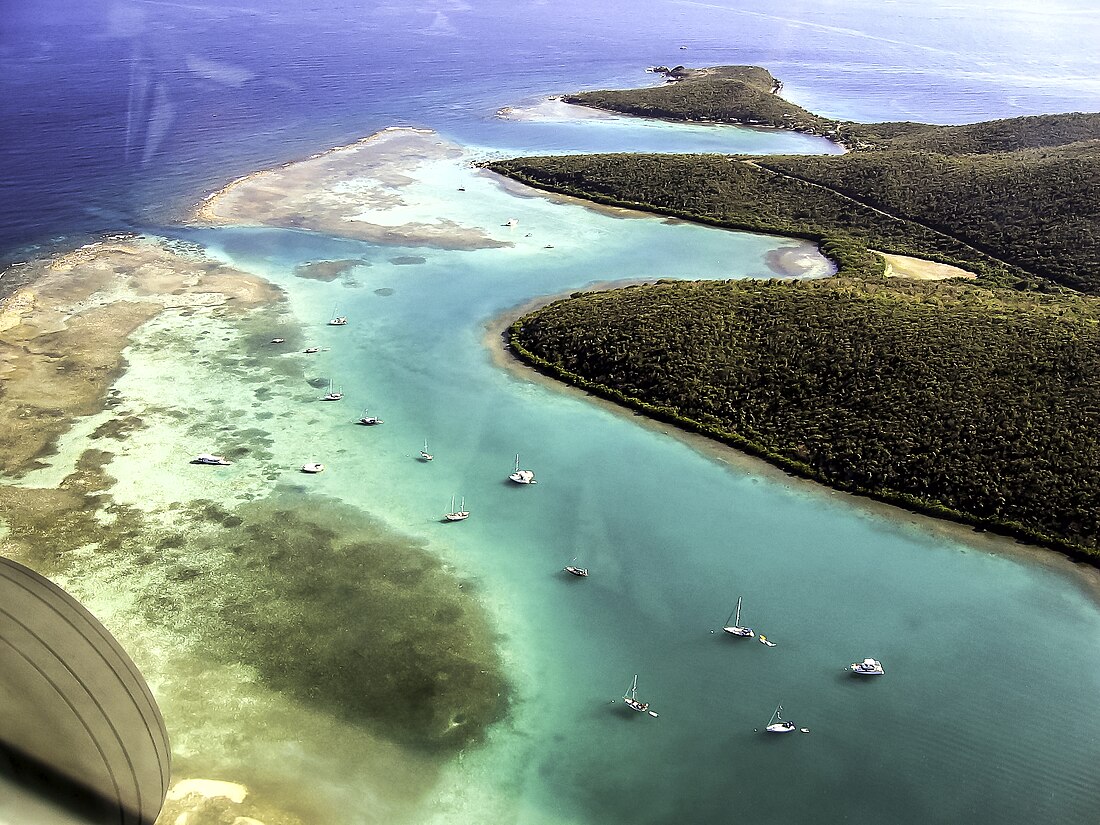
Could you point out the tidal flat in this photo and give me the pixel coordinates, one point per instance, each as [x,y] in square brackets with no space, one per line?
[267,618]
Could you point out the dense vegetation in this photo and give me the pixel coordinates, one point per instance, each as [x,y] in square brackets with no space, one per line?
[971,403]
[742,194]
[725,94]
[1020,191]
[1036,209]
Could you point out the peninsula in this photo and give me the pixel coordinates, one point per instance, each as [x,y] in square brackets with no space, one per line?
[973,400]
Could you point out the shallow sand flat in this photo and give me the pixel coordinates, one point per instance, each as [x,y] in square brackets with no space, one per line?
[904,266]
[62,337]
[800,260]
[354,192]
[553,110]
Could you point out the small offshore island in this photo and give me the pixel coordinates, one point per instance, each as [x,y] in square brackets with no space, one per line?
[977,401]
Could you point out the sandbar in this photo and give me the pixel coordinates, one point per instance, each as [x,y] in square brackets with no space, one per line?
[352,191]
[61,337]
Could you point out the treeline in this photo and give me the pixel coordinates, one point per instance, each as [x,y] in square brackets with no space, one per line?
[1019,191]
[1017,218]
[739,193]
[976,404]
[1036,209]
[746,95]
[725,94]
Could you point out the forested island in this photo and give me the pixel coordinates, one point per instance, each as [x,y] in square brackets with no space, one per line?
[977,401]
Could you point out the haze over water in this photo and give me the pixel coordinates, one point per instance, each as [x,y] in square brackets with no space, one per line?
[992,661]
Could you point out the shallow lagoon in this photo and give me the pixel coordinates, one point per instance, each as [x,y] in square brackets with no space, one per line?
[974,720]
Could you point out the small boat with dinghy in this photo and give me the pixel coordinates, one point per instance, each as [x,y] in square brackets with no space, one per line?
[522,476]
[631,699]
[735,629]
[778,725]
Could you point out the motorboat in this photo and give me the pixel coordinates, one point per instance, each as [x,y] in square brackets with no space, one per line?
[522,476]
[311,350]
[278,340]
[735,629]
[313,467]
[207,458]
[868,667]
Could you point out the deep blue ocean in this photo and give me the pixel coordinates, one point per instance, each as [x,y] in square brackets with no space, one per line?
[121,114]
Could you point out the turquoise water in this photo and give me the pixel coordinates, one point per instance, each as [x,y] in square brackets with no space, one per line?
[123,113]
[991,661]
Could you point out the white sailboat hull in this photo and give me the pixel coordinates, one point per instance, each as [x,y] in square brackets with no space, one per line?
[744,632]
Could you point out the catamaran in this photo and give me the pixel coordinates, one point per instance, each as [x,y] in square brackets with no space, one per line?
[424,454]
[457,515]
[369,420]
[735,629]
[777,724]
[522,476]
[868,667]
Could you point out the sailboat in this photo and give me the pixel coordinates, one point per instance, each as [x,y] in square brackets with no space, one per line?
[522,476]
[369,420]
[631,699]
[777,724]
[424,454]
[337,320]
[457,515]
[576,571]
[735,629]
[332,395]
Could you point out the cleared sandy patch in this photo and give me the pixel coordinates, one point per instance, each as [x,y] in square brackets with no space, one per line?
[903,266]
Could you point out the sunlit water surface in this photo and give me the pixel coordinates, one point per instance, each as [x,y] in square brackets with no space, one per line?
[992,661]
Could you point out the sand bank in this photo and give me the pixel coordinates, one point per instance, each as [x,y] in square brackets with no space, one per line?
[351,191]
[61,338]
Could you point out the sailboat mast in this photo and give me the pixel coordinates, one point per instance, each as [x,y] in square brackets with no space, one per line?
[737,621]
